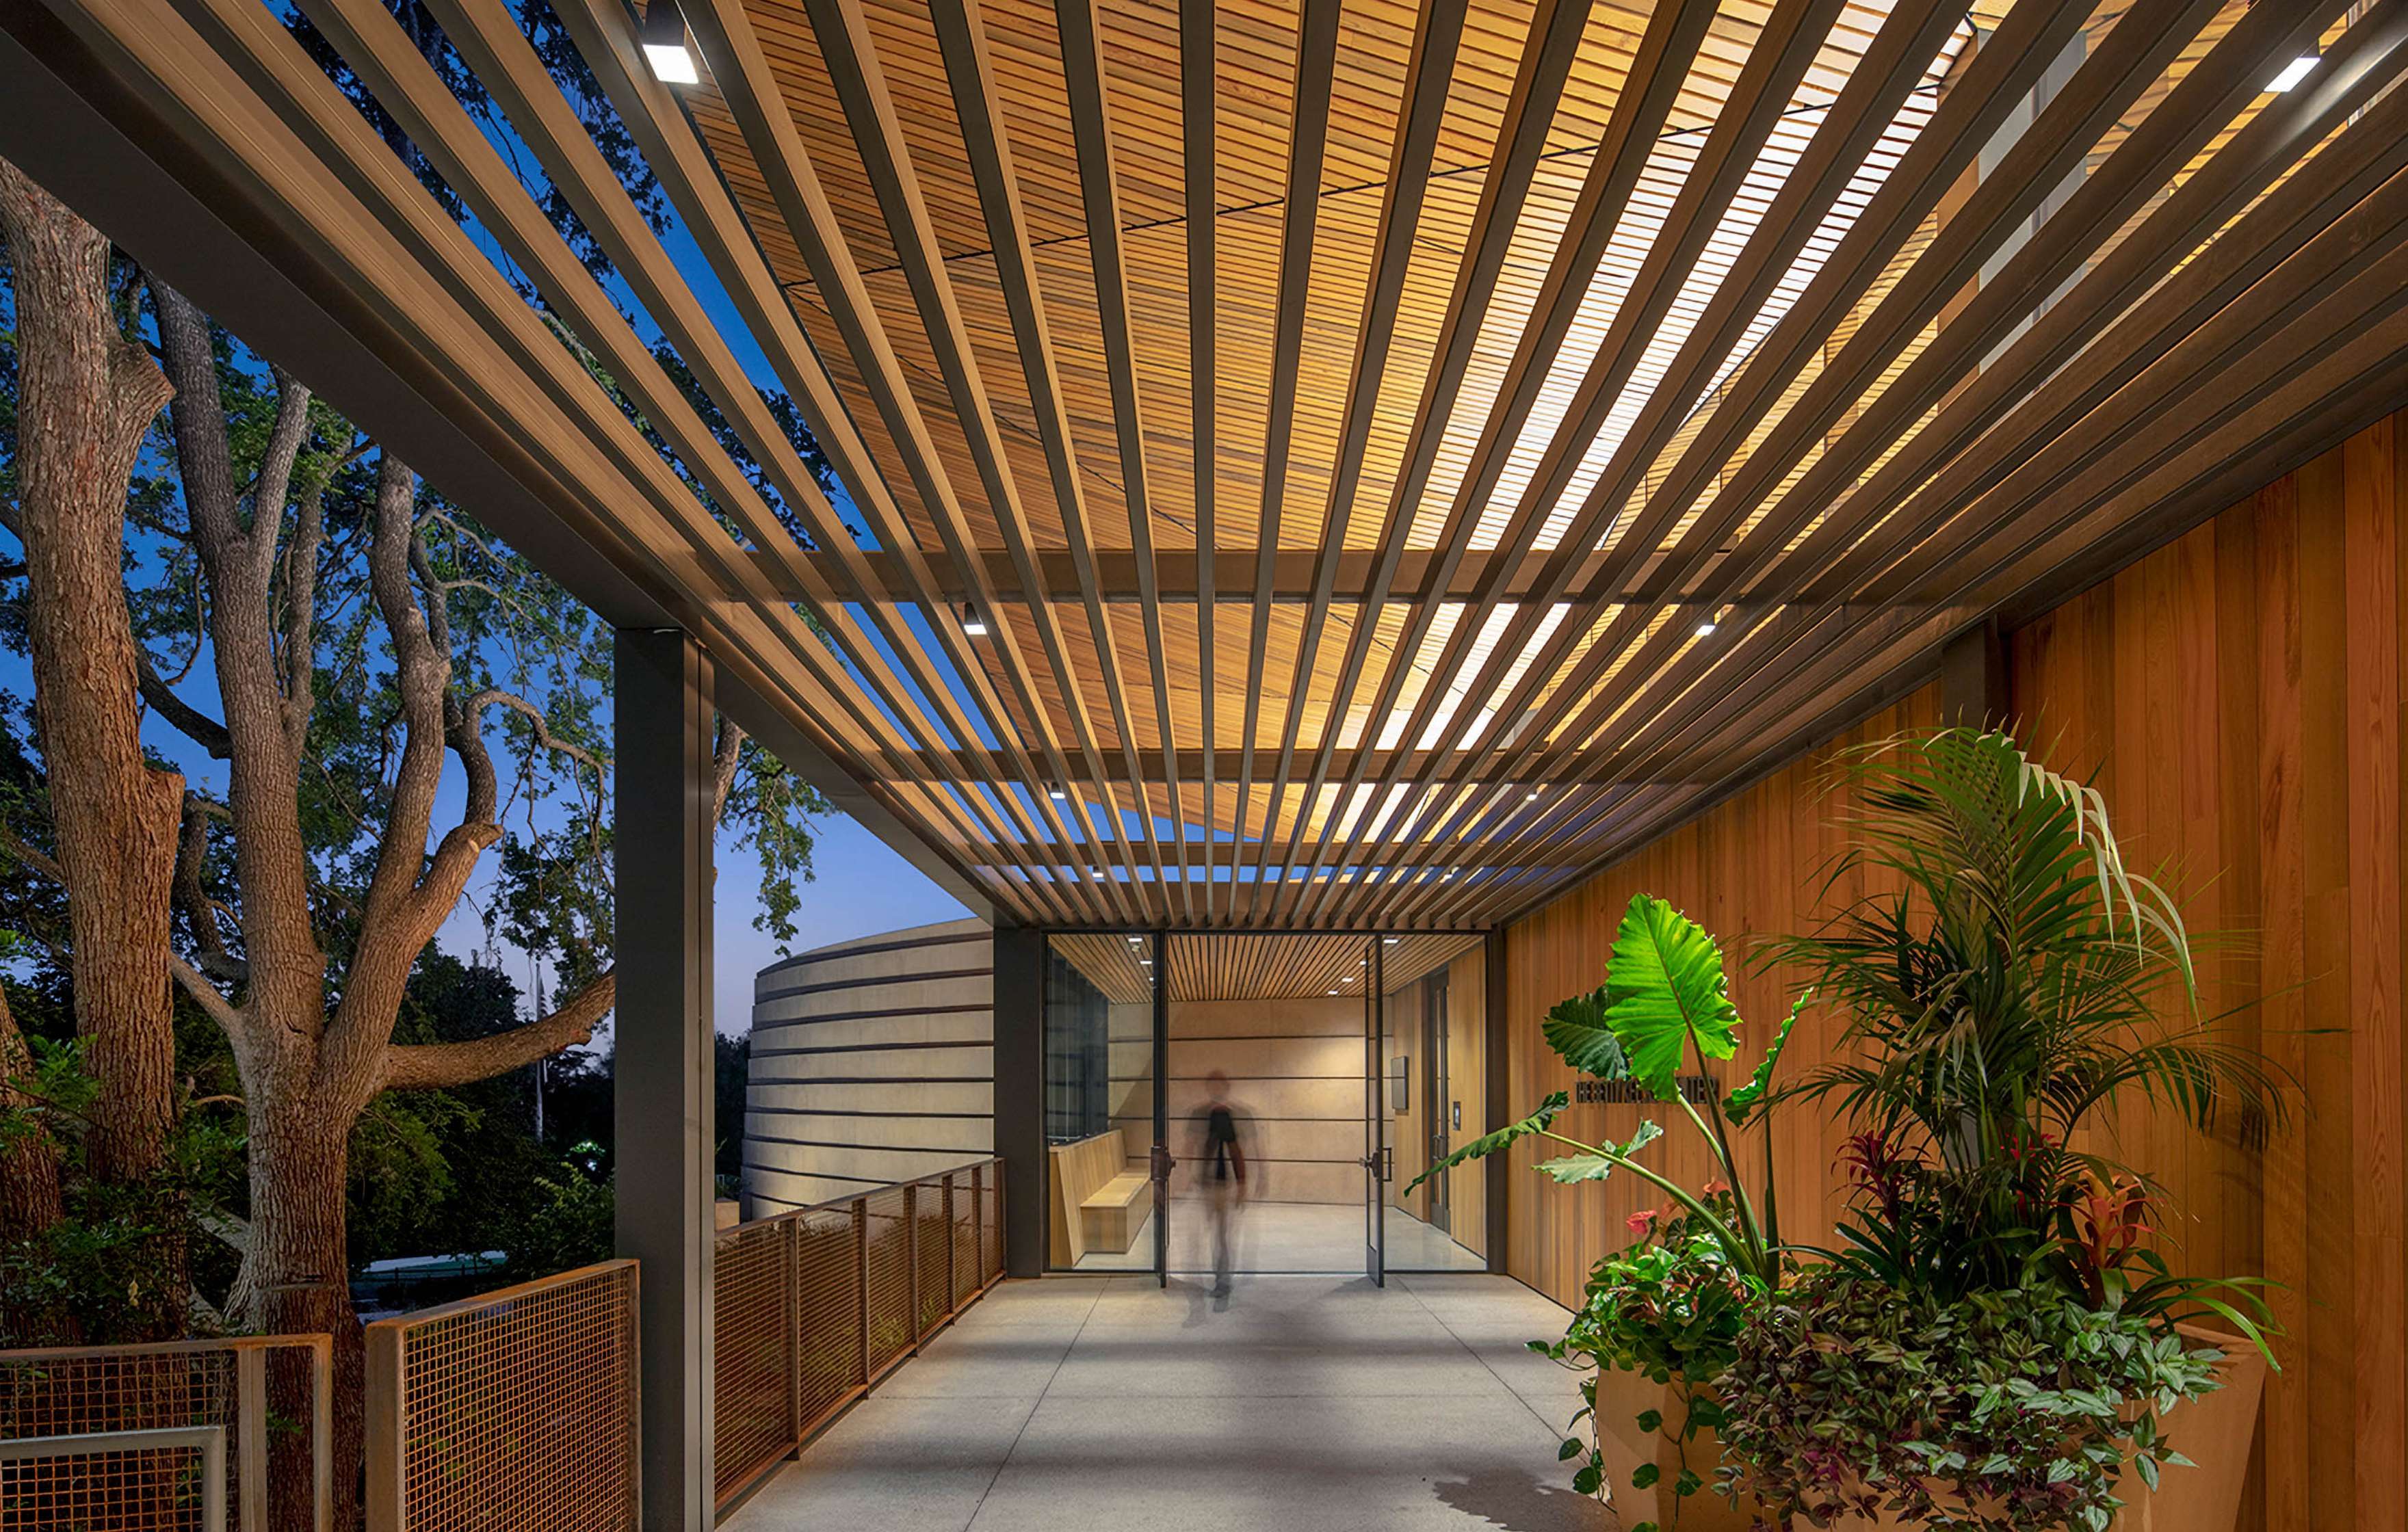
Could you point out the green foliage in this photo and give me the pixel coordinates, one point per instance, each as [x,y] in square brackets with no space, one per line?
[1671,1309]
[1489,1143]
[112,1268]
[2015,1410]
[2020,980]
[1666,996]
[569,1224]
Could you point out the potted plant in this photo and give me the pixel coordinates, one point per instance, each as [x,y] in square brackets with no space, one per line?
[1658,1320]
[2007,979]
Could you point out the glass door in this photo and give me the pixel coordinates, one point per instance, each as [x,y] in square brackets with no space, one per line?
[1107,1162]
[1378,1164]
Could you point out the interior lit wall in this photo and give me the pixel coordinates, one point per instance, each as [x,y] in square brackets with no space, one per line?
[2236,695]
[1296,1071]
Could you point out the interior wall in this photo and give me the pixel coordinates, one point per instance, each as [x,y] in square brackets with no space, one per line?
[2236,697]
[1295,1070]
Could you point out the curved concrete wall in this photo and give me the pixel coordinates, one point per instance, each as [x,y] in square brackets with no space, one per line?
[873,1062]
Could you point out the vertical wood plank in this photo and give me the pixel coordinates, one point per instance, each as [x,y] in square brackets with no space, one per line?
[2236,695]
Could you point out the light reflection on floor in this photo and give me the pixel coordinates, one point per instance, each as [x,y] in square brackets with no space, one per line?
[1275,1237]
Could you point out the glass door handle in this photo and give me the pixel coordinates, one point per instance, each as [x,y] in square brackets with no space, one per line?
[1162,1162]
[1383,1165]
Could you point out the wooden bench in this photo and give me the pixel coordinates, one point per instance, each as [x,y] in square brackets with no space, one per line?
[1110,1216]
[1093,1186]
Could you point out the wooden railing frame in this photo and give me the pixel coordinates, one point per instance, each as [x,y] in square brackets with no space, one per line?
[251,1354]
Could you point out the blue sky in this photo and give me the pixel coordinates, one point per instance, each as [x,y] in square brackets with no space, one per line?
[863,887]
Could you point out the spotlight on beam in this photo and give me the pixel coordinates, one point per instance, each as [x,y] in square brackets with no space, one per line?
[664,44]
[2293,72]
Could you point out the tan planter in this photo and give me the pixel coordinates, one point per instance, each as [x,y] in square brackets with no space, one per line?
[2215,1431]
[1620,1397]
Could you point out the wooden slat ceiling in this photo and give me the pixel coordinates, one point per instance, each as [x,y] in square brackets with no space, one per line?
[1252,967]
[1401,456]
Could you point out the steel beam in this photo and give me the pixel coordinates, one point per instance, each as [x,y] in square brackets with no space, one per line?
[664,1054]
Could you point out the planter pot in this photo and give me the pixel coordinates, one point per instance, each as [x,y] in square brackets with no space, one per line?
[2215,1431]
[1621,1396]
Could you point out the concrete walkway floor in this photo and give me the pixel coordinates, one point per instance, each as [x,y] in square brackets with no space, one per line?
[1077,1403]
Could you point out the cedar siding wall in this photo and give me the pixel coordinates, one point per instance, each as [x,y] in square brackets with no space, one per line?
[2236,695]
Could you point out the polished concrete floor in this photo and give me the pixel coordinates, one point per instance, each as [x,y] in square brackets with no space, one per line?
[1077,1403]
[1271,1237]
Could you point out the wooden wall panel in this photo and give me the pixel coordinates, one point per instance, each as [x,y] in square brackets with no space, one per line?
[2236,695]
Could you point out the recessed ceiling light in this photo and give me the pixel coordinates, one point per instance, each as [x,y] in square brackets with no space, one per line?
[1055,790]
[972,624]
[665,45]
[1706,629]
[1333,992]
[2293,72]
[1392,941]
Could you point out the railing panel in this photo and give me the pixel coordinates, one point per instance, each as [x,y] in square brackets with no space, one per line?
[887,1277]
[752,1362]
[967,1278]
[515,1410]
[113,1480]
[279,1477]
[991,1221]
[932,1291]
[827,1311]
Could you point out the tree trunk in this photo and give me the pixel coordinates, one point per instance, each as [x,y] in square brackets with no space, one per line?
[87,397]
[298,1266]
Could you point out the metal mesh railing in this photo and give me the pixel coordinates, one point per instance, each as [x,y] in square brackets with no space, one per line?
[517,1409]
[752,1370]
[117,1439]
[811,1308]
[513,1410]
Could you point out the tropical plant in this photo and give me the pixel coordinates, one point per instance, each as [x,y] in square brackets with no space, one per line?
[2020,977]
[2014,1410]
[1666,999]
[1670,1306]
[1670,1309]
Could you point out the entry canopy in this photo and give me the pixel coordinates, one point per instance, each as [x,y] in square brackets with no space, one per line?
[1327,465]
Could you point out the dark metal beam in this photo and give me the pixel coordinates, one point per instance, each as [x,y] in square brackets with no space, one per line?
[1180,576]
[664,1055]
[1020,1094]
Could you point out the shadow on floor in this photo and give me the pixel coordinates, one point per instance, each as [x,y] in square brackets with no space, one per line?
[1517,1501]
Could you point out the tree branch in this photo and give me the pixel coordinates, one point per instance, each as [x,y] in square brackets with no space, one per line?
[189,721]
[200,911]
[417,1066]
[208,996]
[32,858]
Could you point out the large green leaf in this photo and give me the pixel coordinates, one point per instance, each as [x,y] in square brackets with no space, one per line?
[1602,1163]
[1576,1029]
[1489,1143]
[1740,1102]
[1666,989]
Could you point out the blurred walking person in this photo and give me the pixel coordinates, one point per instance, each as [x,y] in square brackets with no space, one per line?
[1221,1166]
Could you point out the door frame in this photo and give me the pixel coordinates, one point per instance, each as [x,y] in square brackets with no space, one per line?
[1378,1153]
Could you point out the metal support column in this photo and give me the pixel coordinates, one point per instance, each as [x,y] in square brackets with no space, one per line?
[1974,678]
[1499,1091]
[664,1055]
[1020,1094]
